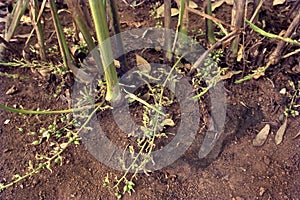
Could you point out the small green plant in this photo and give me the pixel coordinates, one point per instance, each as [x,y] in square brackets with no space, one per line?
[154,121]
[153,9]
[158,24]
[293,108]
[56,138]
[209,75]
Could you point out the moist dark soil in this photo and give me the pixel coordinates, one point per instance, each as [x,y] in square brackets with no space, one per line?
[234,169]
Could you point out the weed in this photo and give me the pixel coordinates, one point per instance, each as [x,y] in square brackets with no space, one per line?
[154,121]
[291,110]
[153,10]
[209,75]
[56,139]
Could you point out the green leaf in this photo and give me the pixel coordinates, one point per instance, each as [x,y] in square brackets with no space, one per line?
[30,165]
[36,142]
[48,166]
[16,176]
[118,195]
[58,160]
[76,142]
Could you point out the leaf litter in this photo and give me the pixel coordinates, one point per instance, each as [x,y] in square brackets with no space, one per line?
[280,133]
[262,136]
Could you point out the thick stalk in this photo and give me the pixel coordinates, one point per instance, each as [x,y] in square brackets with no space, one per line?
[78,17]
[66,55]
[12,22]
[184,18]
[110,73]
[14,19]
[167,25]
[237,22]
[114,16]
[182,22]
[209,24]
[38,28]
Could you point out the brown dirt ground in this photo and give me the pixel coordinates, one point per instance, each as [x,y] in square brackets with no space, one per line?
[241,171]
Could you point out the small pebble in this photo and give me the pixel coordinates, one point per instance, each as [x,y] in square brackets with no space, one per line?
[239,198]
[267,160]
[261,191]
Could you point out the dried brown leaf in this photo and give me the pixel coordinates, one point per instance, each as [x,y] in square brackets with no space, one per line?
[142,64]
[262,136]
[228,75]
[297,135]
[280,133]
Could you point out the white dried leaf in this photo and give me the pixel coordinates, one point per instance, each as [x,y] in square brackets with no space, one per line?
[11,90]
[160,11]
[117,63]
[192,4]
[262,136]
[278,2]
[280,133]
[6,121]
[282,91]
[174,12]
[25,19]
[217,4]
[229,2]
[240,54]
[169,122]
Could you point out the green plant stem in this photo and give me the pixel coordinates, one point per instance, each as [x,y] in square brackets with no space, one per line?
[110,73]
[12,23]
[48,112]
[66,55]
[167,25]
[144,103]
[38,28]
[35,171]
[209,24]
[182,21]
[14,18]
[237,21]
[114,15]
[271,35]
[221,27]
[78,17]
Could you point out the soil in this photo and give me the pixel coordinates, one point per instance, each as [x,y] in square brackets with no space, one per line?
[235,169]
